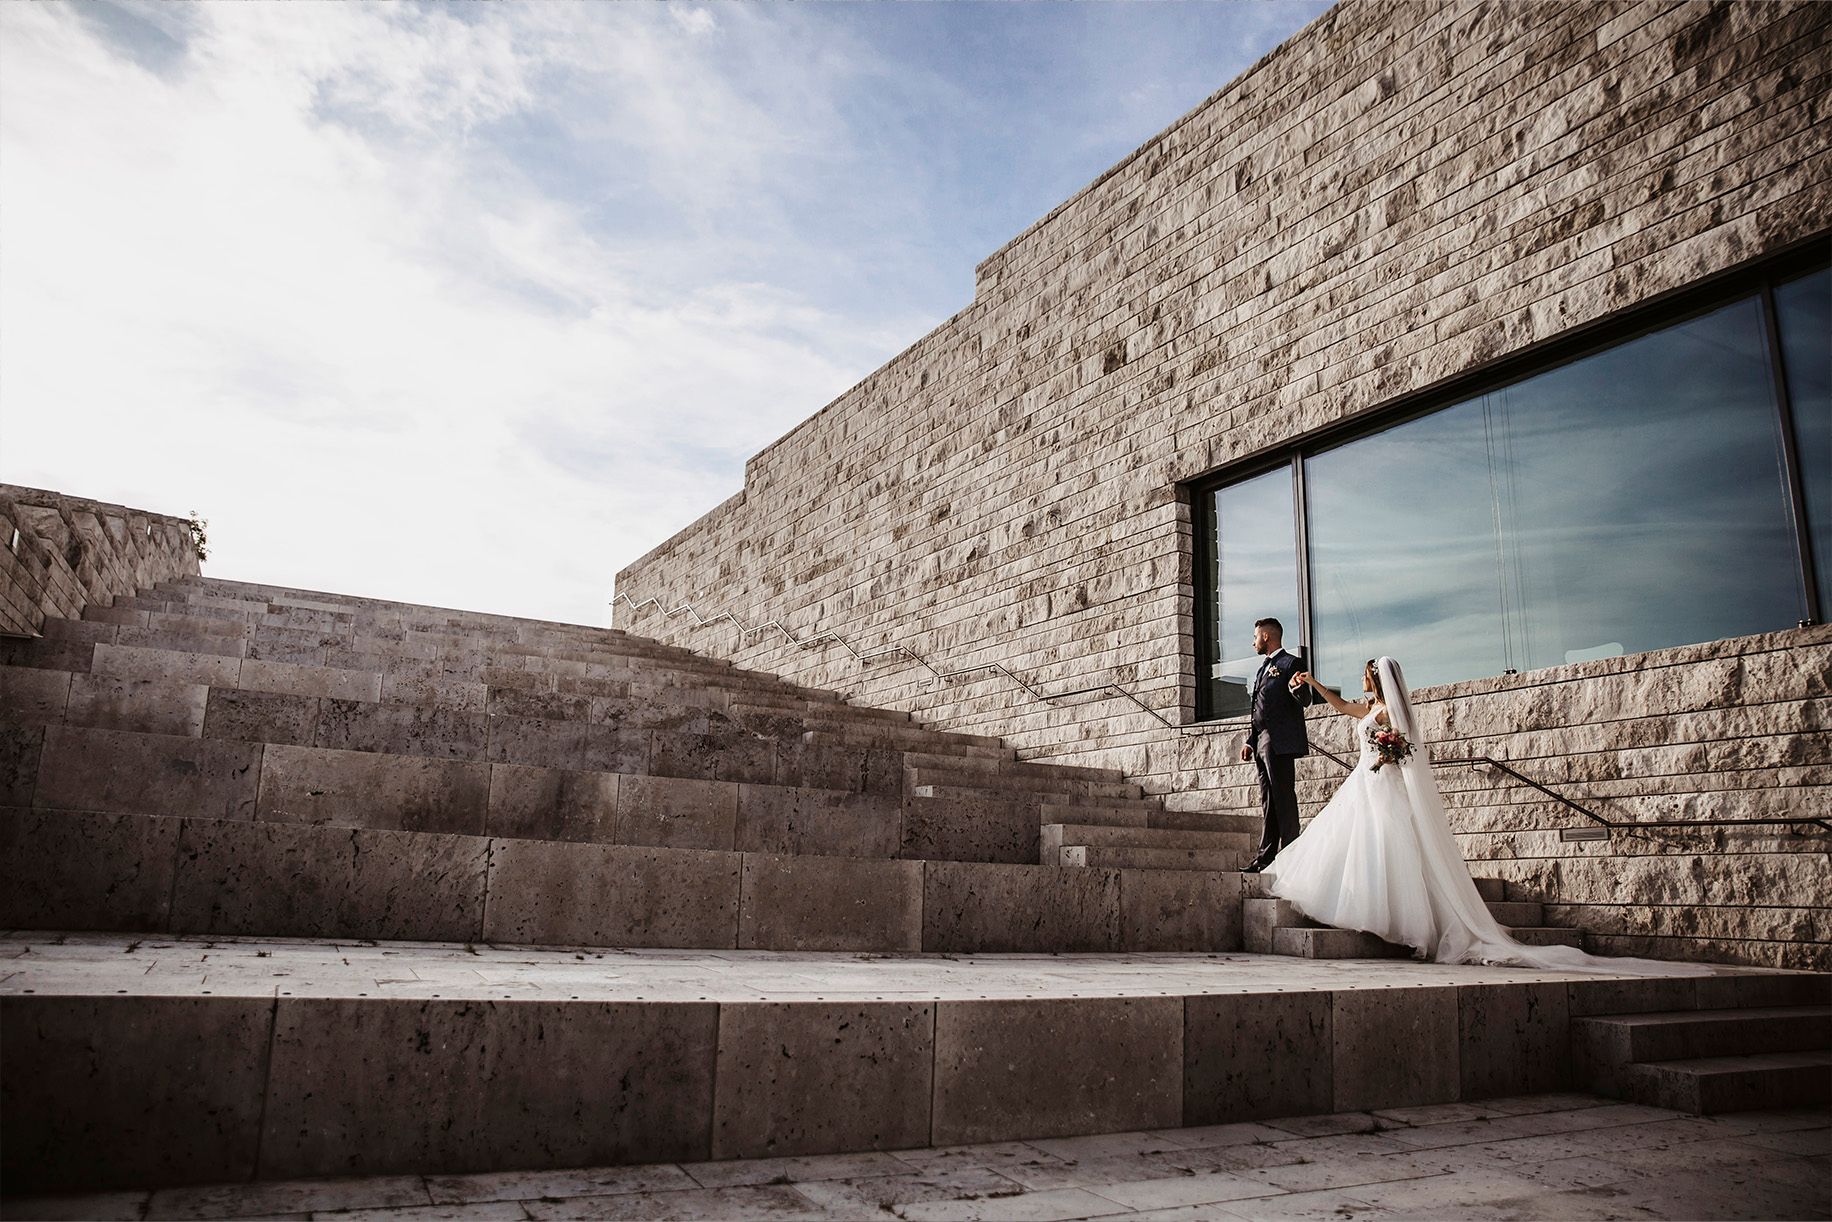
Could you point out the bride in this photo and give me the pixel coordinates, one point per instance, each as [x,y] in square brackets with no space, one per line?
[1380,856]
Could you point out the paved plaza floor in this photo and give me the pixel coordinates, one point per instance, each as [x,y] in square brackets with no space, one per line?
[290,967]
[1537,1156]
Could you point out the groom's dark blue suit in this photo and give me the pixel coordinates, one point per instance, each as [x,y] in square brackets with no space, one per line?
[1277,740]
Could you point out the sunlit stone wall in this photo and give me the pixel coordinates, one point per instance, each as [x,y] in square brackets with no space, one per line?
[1399,195]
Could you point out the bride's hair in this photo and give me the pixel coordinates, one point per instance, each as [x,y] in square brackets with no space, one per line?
[1372,675]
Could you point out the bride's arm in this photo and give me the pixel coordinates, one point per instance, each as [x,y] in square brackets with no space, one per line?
[1345,707]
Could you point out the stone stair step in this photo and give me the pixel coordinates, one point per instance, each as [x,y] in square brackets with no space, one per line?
[898,737]
[1493,890]
[1061,801]
[1137,815]
[257,878]
[1014,777]
[925,759]
[1602,1044]
[937,741]
[1135,858]
[1325,943]
[1107,836]
[1262,917]
[1707,1086]
[1520,913]
[1529,935]
[1208,821]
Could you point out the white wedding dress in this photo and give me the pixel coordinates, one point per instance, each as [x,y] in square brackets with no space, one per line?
[1380,857]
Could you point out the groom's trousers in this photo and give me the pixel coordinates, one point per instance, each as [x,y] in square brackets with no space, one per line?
[1278,782]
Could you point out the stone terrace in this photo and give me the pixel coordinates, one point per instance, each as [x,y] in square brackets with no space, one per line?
[577,898]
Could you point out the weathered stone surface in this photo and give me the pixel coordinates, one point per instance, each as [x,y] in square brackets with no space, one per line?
[565,744]
[21,748]
[318,882]
[1512,1039]
[677,813]
[64,870]
[325,681]
[105,1092]
[260,717]
[553,803]
[976,907]
[401,729]
[1253,1055]
[150,706]
[725,757]
[1012,1070]
[828,822]
[146,774]
[965,829]
[1164,910]
[813,1077]
[30,695]
[166,665]
[476,1086]
[363,789]
[611,895]
[1394,1047]
[830,903]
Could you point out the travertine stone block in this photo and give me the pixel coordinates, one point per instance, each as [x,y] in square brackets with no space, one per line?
[612,895]
[325,882]
[21,748]
[478,1086]
[553,803]
[363,789]
[1512,1039]
[818,1078]
[723,757]
[65,870]
[1394,1047]
[147,774]
[149,706]
[967,829]
[1169,910]
[402,729]
[830,903]
[565,744]
[677,813]
[127,1092]
[260,717]
[827,822]
[323,681]
[1011,1070]
[171,666]
[975,907]
[1252,1055]
[30,695]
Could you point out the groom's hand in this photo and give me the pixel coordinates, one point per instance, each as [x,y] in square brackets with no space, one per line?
[1246,753]
[1300,679]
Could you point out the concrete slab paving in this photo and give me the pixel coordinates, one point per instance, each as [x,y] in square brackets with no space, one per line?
[1650,1163]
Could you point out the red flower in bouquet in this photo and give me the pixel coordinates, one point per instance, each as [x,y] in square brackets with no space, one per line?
[1389,745]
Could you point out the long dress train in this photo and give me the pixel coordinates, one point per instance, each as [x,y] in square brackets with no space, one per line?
[1380,857]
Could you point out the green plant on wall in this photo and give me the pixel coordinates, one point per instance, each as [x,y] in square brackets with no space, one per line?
[200,538]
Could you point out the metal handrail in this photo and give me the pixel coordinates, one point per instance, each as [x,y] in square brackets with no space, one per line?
[949,676]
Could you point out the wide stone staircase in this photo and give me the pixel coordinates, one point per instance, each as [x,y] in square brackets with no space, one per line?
[298,883]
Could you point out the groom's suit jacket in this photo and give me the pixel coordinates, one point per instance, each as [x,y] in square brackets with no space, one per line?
[1276,711]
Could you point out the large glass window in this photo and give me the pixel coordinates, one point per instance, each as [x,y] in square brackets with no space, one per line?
[1803,316]
[1252,550]
[1634,498]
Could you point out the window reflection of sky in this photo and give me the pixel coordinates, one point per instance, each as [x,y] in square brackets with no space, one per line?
[1803,311]
[1256,577]
[1629,501]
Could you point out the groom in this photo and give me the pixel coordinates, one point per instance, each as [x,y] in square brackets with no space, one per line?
[1277,739]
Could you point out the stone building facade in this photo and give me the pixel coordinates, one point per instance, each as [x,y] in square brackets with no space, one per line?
[60,553]
[1400,199]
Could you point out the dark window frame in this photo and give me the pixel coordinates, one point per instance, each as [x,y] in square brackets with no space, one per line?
[1757,279]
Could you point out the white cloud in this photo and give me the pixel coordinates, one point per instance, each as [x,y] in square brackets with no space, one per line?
[288,282]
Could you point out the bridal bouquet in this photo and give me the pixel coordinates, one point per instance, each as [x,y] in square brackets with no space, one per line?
[1389,744]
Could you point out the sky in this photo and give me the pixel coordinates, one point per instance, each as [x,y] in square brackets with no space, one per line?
[471,305]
